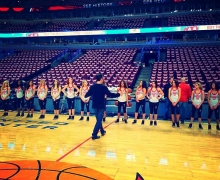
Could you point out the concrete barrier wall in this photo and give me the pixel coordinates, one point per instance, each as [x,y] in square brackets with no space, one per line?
[112,109]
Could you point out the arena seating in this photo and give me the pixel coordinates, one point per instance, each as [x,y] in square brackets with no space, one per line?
[200,64]
[18,27]
[38,3]
[66,26]
[5,53]
[4,3]
[115,64]
[25,62]
[79,2]
[122,23]
[194,19]
[177,20]
[43,3]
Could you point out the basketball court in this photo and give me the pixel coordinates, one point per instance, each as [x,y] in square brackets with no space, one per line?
[63,149]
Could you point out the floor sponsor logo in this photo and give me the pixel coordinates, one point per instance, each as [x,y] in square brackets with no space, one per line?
[31,124]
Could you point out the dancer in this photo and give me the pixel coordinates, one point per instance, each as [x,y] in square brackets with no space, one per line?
[55,93]
[214,101]
[122,100]
[20,90]
[197,99]
[174,97]
[166,96]
[84,101]
[98,92]
[5,96]
[154,94]
[29,96]
[140,101]
[42,96]
[70,94]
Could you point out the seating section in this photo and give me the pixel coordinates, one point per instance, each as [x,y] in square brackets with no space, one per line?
[79,2]
[47,3]
[107,24]
[38,3]
[195,19]
[122,23]
[115,64]
[5,53]
[25,63]
[18,27]
[197,64]
[66,26]
[4,3]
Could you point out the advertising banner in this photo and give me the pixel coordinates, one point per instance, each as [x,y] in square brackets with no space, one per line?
[113,32]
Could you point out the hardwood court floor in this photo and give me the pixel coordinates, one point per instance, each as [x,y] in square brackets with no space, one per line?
[160,152]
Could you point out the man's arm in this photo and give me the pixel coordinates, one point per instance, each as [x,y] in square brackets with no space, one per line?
[111,95]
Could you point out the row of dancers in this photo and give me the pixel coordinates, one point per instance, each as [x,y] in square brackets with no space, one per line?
[172,94]
[175,94]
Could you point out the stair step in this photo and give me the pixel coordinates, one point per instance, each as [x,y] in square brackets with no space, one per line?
[144,75]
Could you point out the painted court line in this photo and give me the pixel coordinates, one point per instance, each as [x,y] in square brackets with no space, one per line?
[80,144]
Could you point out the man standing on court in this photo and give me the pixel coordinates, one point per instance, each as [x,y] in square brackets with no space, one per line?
[98,92]
[185,95]
[167,101]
